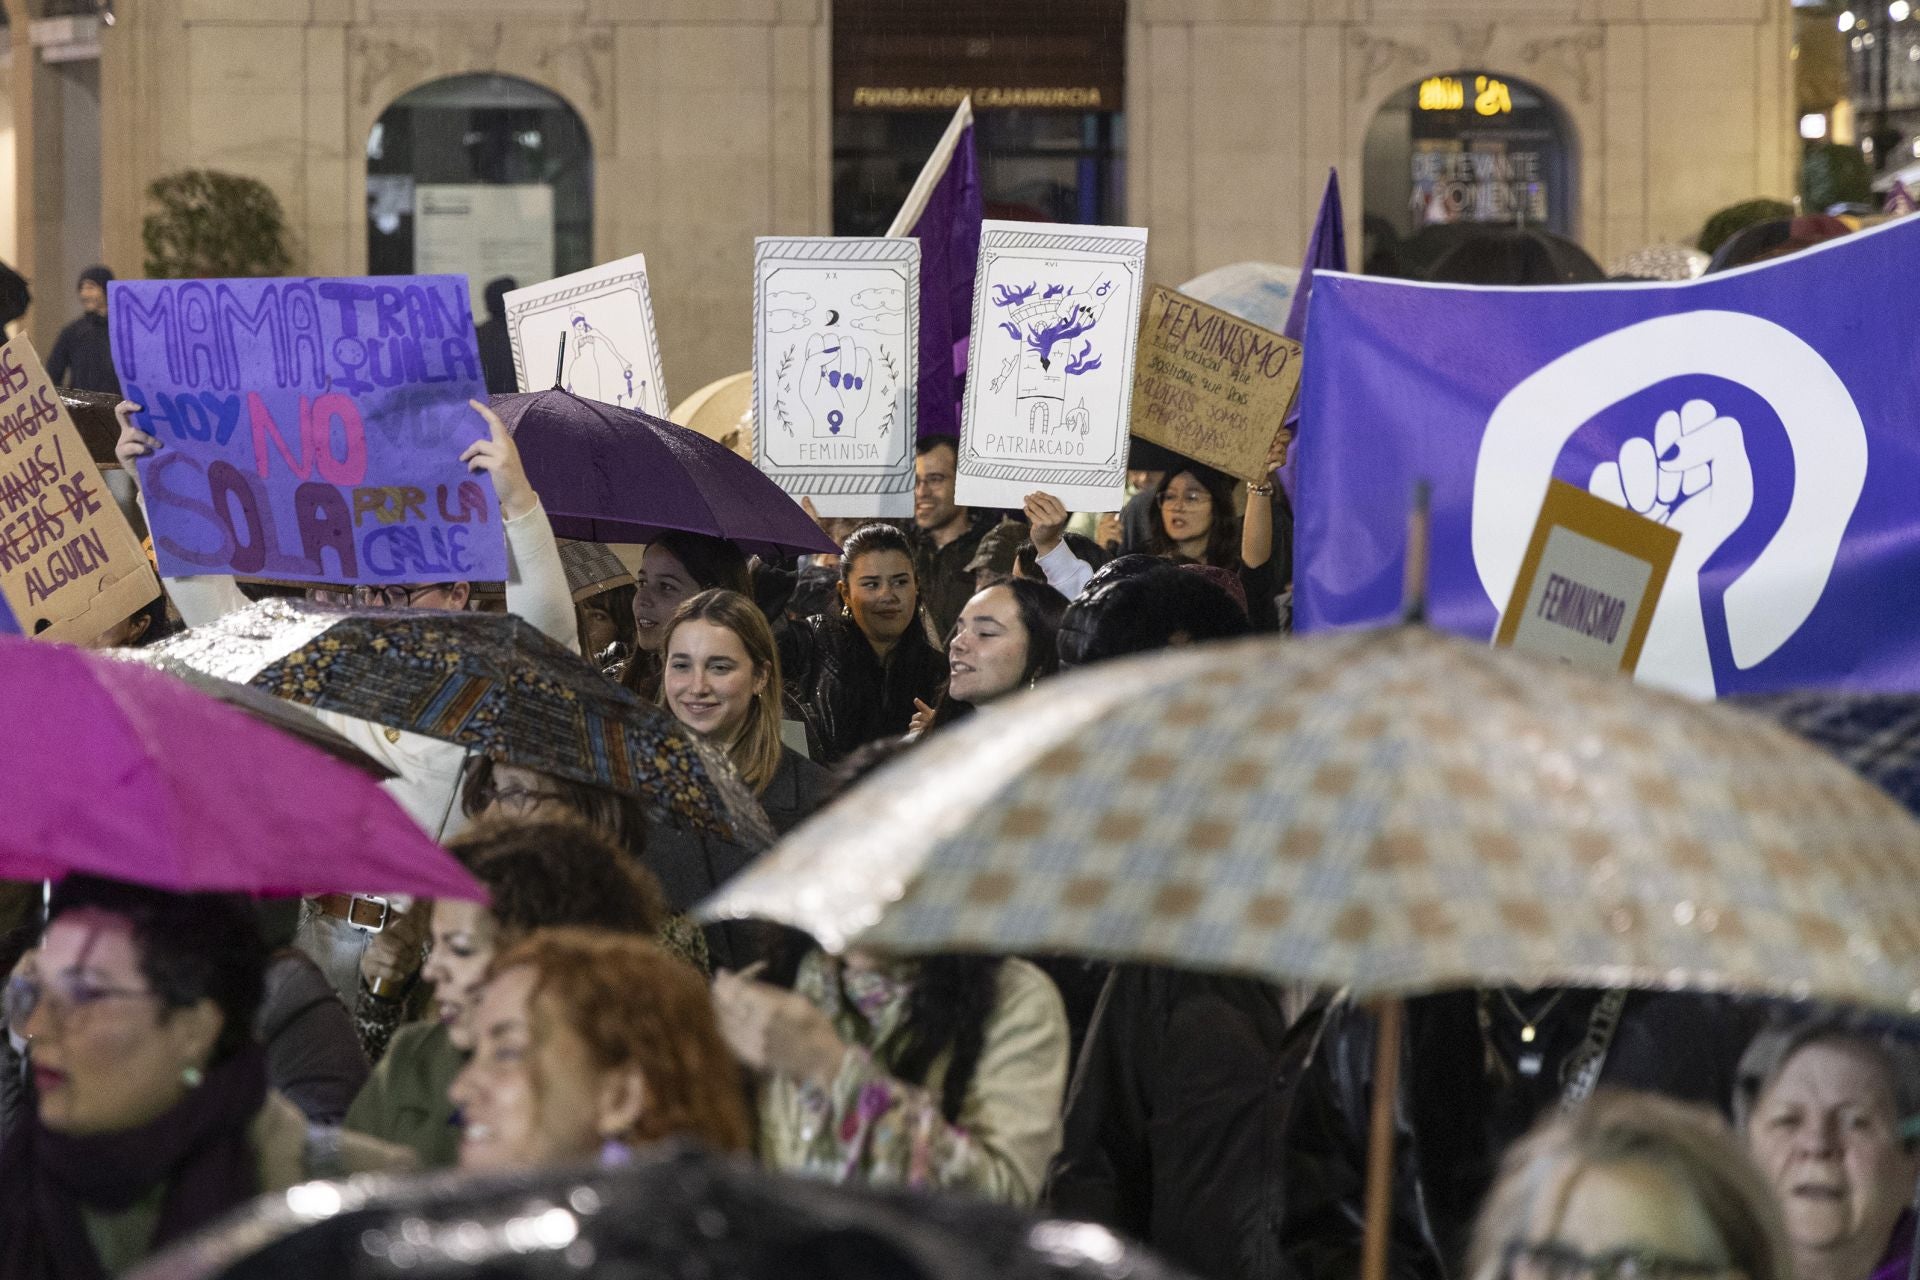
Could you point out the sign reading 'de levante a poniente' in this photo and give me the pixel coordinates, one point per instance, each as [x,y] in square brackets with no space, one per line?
[310,429]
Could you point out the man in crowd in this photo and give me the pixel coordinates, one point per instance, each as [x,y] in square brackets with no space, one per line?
[949,534]
[82,358]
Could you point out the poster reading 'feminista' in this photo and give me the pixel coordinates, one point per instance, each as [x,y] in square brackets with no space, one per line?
[310,429]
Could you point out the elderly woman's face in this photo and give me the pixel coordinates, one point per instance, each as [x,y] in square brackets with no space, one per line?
[1826,1134]
[107,1055]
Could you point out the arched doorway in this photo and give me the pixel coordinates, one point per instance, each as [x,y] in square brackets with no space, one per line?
[1470,146]
[482,174]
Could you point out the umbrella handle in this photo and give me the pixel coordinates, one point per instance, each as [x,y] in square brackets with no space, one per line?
[1380,1139]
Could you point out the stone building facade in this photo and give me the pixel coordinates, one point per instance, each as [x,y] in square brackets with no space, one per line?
[713,121]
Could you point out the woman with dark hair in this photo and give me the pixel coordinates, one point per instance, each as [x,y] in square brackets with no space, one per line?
[538,872]
[856,675]
[1003,641]
[589,1043]
[943,1071]
[152,1117]
[676,567]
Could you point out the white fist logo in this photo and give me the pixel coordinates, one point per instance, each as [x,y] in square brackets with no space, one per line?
[1692,476]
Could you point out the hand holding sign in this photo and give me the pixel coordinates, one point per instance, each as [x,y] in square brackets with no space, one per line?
[499,457]
[1047,517]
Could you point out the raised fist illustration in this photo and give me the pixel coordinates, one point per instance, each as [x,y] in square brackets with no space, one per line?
[836,384]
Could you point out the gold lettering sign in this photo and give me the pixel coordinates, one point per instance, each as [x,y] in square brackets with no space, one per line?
[1491,97]
[988,97]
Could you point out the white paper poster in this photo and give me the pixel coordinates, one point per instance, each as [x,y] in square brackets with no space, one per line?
[836,341]
[1056,314]
[482,232]
[612,353]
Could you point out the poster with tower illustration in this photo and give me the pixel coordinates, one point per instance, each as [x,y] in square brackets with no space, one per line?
[836,371]
[1056,314]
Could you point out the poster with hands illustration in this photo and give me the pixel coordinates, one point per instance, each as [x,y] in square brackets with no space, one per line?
[836,328]
[612,353]
[1056,313]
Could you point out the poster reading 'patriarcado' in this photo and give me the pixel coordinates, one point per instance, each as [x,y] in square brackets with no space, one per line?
[836,343]
[1056,314]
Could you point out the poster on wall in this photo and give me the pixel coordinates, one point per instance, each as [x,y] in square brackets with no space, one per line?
[310,429]
[836,342]
[483,232]
[1056,313]
[612,351]
[70,564]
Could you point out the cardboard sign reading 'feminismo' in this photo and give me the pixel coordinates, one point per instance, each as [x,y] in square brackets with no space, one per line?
[1590,582]
[310,429]
[1209,385]
[70,565]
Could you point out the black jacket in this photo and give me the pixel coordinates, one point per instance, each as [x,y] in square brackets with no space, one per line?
[1455,1119]
[1176,1115]
[945,582]
[690,866]
[847,696]
[82,357]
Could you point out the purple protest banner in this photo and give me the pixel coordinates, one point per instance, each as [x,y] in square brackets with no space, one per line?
[310,429]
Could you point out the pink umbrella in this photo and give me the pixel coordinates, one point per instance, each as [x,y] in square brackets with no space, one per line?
[117,770]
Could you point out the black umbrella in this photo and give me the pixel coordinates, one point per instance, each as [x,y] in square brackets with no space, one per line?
[676,1214]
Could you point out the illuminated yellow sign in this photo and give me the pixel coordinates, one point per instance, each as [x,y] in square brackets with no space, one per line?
[1448,93]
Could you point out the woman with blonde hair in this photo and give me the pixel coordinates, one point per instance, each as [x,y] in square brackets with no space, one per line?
[592,1044]
[1630,1186]
[722,680]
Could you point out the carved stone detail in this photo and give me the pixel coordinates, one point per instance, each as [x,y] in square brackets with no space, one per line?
[1570,54]
[1378,55]
[380,61]
[583,57]
[1474,41]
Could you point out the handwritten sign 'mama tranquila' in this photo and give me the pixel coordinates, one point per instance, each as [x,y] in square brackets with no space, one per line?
[1590,582]
[70,564]
[1209,385]
[310,429]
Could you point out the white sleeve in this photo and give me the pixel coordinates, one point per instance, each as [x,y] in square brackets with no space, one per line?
[1068,573]
[537,580]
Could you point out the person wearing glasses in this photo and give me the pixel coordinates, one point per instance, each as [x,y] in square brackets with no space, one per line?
[1825,1103]
[1193,522]
[1629,1186]
[149,1113]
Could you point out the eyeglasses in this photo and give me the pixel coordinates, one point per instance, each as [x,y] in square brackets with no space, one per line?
[389,597]
[518,802]
[63,993]
[1191,498]
[1549,1261]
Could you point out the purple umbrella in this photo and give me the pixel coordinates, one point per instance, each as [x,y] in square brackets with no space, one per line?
[614,475]
[118,770]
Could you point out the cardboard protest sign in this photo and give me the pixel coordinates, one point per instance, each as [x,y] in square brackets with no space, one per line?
[1209,385]
[1592,575]
[612,353]
[1050,364]
[310,429]
[836,325]
[70,564]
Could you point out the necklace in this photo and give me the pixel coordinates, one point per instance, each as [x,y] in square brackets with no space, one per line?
[1529,1027]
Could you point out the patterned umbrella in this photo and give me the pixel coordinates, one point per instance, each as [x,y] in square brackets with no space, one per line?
[1877,734]
[613,475]
[1395,812]
[485,681]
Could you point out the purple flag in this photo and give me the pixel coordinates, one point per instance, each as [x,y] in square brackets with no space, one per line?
[1326,251]
[943,212]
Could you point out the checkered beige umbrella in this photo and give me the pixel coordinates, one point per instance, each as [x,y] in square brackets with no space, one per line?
[1395,812]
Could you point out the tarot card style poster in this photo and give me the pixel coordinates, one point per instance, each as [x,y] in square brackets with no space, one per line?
[612,353]
[1056,315]
[836,375]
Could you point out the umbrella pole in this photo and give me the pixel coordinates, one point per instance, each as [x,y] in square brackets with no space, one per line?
[1386,1093]
[560,362]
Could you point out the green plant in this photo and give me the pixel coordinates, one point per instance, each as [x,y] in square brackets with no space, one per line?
[1831,174]
[212,224]
[1721,226]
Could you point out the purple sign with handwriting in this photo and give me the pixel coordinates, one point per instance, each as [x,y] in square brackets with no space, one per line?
[310,429]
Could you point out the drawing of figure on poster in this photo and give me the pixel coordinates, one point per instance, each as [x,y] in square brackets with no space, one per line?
[835,370]
[1046,328]
[596,369]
